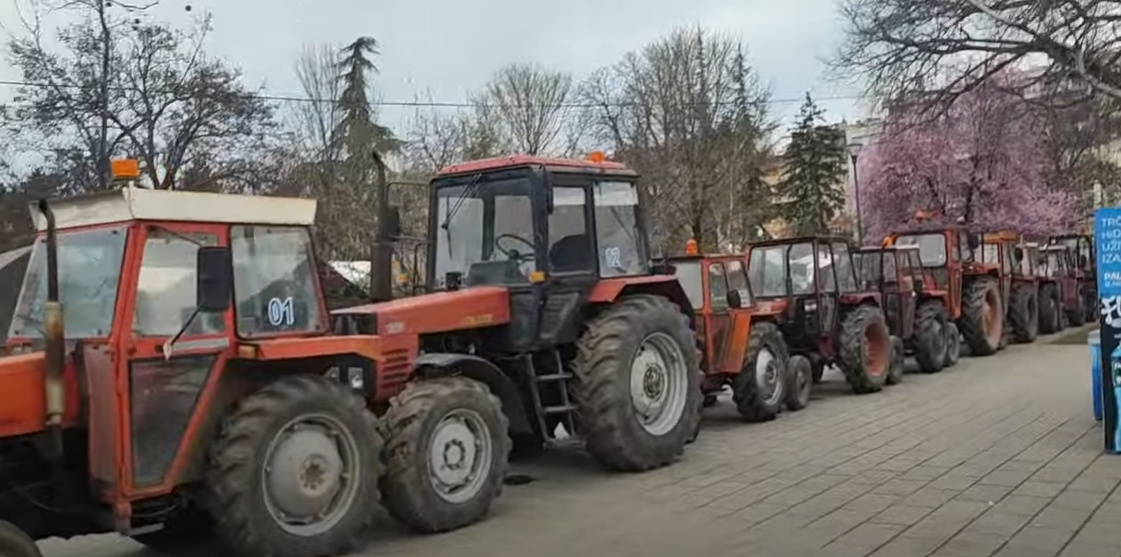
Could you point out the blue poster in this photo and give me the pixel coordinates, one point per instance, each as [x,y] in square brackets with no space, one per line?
[1107,244]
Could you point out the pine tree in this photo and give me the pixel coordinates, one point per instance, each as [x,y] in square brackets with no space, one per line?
[812,184]
[357,133]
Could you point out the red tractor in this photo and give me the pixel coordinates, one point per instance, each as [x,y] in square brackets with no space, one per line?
[911,301]
[1082,265]
[821,308]
[969,291]
[196,383]
[1061,298]
[740,341]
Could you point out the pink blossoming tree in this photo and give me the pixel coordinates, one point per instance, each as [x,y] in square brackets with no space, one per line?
[983,162]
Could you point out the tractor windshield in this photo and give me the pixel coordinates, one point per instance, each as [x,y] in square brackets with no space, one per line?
[485,232]
[89,269]
[689,275]
[868,266]
[932,247]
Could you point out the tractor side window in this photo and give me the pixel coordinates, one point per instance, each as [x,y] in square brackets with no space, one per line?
[274,281]
[1006,258]
[843,265]
[717,286]
[825,269]
[737,280]
[166,289]
[621,251]
[570,246]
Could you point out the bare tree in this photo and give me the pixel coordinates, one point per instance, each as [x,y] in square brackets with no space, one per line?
[902,46]
[530,103]
[689,113]
[121,86]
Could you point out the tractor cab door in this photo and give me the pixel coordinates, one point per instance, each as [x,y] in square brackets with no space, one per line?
[828,295]
[167,383]
[730,300]
[899,293]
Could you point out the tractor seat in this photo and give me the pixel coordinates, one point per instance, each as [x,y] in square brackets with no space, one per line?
[572,253]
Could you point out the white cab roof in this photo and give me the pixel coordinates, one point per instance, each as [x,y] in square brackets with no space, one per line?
[130,203]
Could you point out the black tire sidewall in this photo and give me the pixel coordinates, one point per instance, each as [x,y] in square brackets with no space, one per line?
[799,374]
[898,358]
[258,526]
[930,345]
[16,543]
[407,481]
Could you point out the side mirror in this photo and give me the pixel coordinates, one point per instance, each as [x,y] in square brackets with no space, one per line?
[215,286]
[734,300]
[974,241]
[1018,254]
[393,225]
[918,284]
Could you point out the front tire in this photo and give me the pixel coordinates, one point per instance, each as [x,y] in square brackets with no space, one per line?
[865,347]
[637,353]
[898,360]
[294,472]
[16,543]
[1078,314]
[1050,309]
[447,447]
[931,320]
[953,345]
[759,389]
[1023,312]
[800,383]
[982,316]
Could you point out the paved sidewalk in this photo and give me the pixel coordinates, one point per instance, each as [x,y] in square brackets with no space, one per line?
[997,456]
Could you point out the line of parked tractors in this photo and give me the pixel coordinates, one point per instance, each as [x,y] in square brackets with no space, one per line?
[258,417]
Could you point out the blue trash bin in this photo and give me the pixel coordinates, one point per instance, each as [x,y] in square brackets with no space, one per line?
[1095,342]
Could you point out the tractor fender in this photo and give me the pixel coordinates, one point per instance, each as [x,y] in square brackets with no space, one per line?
[608,290]
[439,364]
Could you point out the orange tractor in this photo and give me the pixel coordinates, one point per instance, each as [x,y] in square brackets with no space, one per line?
[968,292]
[739,339]
[196,384]
[1008,251]
[911,302]
[1061,296]
[821,309]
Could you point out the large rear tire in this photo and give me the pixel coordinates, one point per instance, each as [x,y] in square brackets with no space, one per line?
[865,347]
[931,320]
[16,543]
[1050,309]
[1023,312]
[898,360]
[982,316]
[294,472]
[637,353]
[759,390]
[447,447]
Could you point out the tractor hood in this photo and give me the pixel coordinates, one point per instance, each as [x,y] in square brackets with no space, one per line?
[469,308]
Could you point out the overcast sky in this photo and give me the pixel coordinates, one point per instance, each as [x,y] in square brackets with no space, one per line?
[453,46]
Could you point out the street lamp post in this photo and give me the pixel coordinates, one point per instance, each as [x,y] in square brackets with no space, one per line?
[854,152]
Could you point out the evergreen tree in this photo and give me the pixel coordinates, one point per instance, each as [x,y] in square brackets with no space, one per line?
[357,133]
[813,180]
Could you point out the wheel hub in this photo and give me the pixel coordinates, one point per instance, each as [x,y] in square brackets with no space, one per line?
[304,473]
[459,455]
[767,374]
[653,382]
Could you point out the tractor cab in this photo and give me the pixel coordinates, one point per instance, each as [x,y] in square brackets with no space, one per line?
[823,307]
[1082,248]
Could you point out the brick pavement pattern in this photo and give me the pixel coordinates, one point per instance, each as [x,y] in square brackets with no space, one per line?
[998,456]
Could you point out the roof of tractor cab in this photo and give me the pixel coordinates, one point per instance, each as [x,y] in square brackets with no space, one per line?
[553,164]
[131,203]
[801,240]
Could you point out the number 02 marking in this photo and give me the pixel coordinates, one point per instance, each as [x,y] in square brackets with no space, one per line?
[613,257]
[281,312]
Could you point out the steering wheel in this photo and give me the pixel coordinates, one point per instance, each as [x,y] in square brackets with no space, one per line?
[510,252]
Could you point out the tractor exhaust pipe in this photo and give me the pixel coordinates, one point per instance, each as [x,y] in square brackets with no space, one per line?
[54,337]
[381,256]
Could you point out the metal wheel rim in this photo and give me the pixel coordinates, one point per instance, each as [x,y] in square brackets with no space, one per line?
[460,455]
[659,383]
[768,375]
[315,432]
